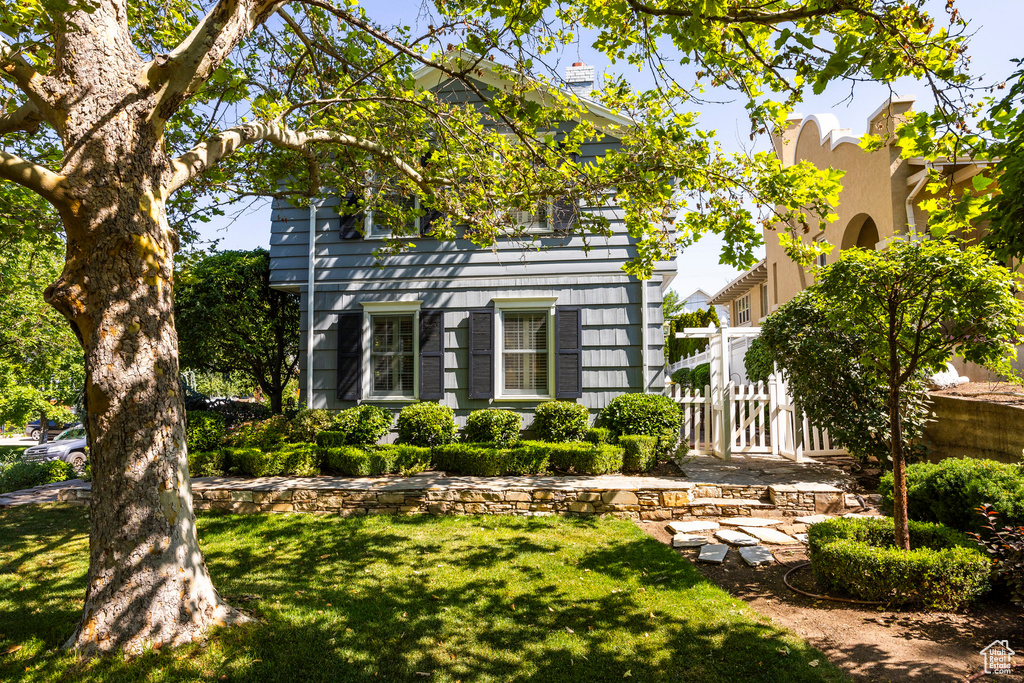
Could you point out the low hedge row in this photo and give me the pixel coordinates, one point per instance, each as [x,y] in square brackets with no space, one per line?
[951,491]
[351,461]
[24,475]
[858,556]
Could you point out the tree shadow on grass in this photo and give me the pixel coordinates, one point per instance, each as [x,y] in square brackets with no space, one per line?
[467,599]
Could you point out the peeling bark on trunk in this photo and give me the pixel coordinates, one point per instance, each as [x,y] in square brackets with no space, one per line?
[147,582]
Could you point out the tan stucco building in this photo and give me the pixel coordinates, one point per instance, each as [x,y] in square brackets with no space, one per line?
[881,197]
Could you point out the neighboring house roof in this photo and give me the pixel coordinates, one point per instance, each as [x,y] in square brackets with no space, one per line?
[743,283]
[488,73]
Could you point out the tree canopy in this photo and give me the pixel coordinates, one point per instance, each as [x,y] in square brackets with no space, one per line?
[876,322]
[231,321]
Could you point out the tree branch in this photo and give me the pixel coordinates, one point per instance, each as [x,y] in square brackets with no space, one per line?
[26,117]
[182,72]
[206,154]
[39,179]
[745,15]
[17,69]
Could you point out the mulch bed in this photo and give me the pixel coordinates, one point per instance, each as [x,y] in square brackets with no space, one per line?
[869,643]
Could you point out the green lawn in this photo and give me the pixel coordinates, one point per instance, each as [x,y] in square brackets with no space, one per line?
[388,598]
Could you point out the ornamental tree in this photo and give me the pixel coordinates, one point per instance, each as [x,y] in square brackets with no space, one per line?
[879,321]
[130,117]
[229,320]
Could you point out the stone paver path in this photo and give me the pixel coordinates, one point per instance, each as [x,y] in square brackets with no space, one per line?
[692,527]
[749,521]
[770,536]
[688,541]
[713,553]
[757,555]
[733,537]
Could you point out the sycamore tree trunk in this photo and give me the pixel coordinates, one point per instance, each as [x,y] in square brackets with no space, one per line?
[147,581]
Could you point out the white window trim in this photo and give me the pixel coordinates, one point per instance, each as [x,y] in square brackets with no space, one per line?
[533,303]
[371,308]
[746,323]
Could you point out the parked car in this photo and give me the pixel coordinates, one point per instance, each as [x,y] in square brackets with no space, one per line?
[53,428]
[69,446]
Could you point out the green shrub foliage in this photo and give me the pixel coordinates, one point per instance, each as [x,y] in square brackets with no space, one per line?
[560,421]
[255,462]
[500,427]
[858,556]
[25,475]
[204,430]
[206,463]
[584,458]
[700,378]
[426,424]
[677,349]
[650,414]
[352,461]
[682,377]
[475,459]
[363,425]
[598,435]
[405,459]
[639,452]
[951,491]
[265,434]
[308,423]
[348,461]
[757,361]
[1005,544]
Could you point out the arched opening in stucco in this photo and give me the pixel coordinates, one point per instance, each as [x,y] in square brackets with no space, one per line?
[861,232]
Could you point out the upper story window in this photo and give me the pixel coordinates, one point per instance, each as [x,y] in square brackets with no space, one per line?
[743,309]
[379,226]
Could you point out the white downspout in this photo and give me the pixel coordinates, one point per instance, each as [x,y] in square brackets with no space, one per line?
[645,368]
[911,223]
[310,300]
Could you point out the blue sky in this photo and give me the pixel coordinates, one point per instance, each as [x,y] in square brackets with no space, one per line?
[996,25]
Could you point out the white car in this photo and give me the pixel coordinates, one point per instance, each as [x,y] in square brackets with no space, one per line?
[69,446]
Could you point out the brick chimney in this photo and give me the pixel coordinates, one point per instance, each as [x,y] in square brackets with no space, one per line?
[579,78]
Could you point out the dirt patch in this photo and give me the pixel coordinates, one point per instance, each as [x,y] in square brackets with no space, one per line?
[990,392]
[870,645]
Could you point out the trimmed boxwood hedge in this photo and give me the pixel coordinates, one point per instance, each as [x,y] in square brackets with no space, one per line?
[488,459]
[857,556]
[584,458]
[352,461]
[949,492]
[639,452]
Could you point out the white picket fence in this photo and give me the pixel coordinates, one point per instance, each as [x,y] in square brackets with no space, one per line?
[726,418]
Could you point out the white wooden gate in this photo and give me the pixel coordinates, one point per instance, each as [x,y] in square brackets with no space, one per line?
[726,418]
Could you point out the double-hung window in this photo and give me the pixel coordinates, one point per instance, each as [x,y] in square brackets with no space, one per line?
[525,355]
[379,226]
[391,349]
[743,309]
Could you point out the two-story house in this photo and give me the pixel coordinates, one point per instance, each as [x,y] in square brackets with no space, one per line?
[472,328]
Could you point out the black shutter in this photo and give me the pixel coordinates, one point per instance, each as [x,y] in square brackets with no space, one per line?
[350,356]
[351,217]
[428,219]
[563,214]
[481,353]
[569,352]
[431,355]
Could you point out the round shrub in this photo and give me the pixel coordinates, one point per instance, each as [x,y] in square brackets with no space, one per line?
[500,427]
[700,377]
[426,424]
[650,414]
[858,556]
[363,425]
[308,423]
[560,421]
[204,430]
[681,377]
[639,452]
[950,492]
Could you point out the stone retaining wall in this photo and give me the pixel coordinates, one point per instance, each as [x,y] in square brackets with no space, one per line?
[965,427]
[686,502]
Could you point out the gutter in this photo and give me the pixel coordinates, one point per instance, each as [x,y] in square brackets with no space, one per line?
[310,318]
[644,366]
